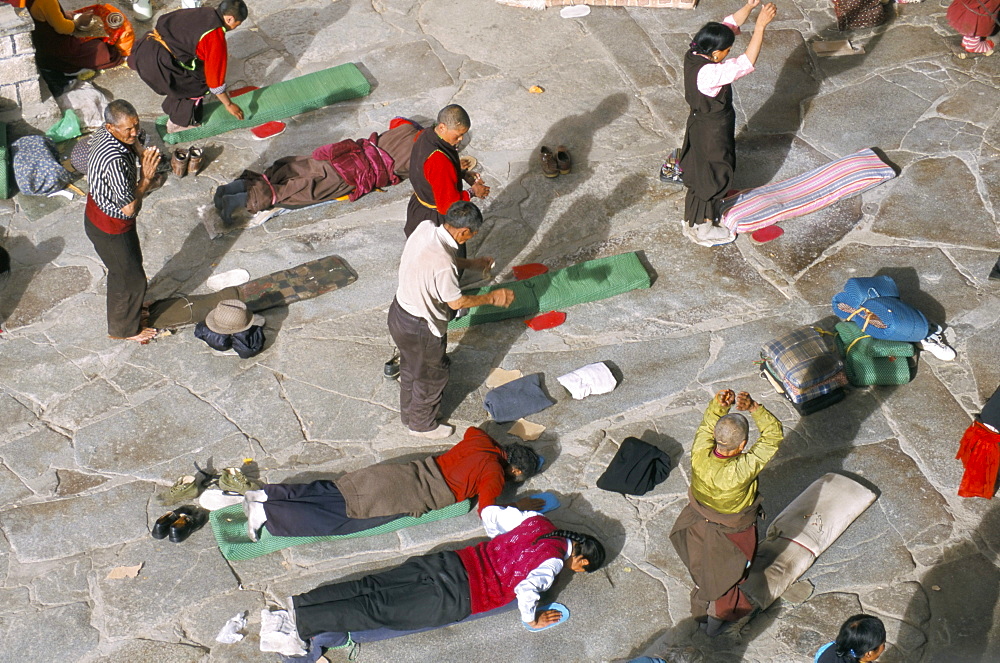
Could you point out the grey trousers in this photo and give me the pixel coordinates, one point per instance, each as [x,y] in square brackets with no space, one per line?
[423,369]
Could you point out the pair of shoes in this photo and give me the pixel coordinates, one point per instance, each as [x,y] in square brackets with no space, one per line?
[439,433]
[937,345]
[234,481]
[178,524]
[557,163]
[709,234]
[186,162]
[186,488]
[391,368]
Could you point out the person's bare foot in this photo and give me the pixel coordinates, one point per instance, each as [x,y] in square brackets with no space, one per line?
[143,337]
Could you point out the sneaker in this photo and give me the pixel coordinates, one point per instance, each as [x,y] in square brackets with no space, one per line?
[937,345]
[439,433]
[234,481]
[214,499]
[278,633]
[185,489]
[708,234]
[391,368]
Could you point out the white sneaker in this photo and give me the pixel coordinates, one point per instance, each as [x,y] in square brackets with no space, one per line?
[708,234]
[936,344]
[278,633]
[439,433]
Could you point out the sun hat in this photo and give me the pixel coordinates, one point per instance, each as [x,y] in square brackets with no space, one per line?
[230,316]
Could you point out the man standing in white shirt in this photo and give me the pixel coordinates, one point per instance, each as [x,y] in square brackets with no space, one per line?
[426,300]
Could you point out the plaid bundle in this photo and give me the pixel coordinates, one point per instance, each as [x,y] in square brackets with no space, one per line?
[802,359]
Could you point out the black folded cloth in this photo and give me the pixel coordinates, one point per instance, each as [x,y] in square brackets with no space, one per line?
[636,469]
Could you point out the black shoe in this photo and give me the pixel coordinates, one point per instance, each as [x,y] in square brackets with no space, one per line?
[162,525]
[189,519]
[391,368]
[995,274]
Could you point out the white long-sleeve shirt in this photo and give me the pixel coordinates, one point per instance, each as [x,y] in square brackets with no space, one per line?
[712,77]
[499,520]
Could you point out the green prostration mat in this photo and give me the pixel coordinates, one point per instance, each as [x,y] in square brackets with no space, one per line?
[585,282]
[230,527]
[4,163]
[276,102]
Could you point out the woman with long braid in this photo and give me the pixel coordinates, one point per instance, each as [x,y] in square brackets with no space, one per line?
[521,561]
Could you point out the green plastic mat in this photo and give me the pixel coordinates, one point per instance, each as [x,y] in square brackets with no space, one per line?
[585,282]
[5,188]
[230,528]
[873,361]
[276,102]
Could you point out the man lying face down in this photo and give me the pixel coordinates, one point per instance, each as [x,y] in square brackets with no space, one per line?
[349,168]
[369,497]
[522,559]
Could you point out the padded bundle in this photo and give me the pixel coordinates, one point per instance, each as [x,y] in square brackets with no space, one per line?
[818,188]
[5,172]
[230,527]
[869,361]
[554,291]
[802,532]
[873,304]
[276,102]
[803,367]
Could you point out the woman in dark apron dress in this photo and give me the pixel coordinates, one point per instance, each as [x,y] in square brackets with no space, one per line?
[708,155]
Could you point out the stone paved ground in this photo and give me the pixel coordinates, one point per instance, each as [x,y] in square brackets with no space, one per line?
[93,429]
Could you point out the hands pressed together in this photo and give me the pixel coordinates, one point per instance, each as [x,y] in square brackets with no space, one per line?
[743,401]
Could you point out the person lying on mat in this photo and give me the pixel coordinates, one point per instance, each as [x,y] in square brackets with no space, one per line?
[349,168]
[372,496]
[522,559]
[185,57]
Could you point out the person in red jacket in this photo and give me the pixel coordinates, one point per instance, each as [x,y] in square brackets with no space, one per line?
[475,467]
[521,561]
[185,58]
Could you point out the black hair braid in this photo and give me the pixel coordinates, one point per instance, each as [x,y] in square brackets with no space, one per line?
[585,545]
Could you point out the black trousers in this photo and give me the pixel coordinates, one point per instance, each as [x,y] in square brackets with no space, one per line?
[425,591]
[122,256]
[423,369]
[312,509]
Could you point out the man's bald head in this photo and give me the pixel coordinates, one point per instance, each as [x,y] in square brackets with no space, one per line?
[454,117]
[731,431]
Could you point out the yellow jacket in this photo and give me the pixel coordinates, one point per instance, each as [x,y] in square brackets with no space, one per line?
[729,485]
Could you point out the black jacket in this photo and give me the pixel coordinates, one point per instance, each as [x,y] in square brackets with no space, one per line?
[246,343]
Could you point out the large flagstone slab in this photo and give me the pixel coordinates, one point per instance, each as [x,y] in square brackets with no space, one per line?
[36,634]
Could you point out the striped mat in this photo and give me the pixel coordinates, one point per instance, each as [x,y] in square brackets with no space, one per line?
[230,528]
[276,102]
[766,205]
[588,281]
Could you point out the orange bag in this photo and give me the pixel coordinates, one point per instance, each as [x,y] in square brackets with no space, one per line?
[119,29]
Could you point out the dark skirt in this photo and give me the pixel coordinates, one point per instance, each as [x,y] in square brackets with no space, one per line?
[68,54]
[974,18]
[312,509]
[183,88]
[708,161]
[853,14]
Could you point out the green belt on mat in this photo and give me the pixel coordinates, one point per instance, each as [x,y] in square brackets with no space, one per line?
[230,527]
[588,281]
[275,102]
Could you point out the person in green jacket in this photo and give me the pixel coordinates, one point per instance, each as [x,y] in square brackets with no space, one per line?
[716,533]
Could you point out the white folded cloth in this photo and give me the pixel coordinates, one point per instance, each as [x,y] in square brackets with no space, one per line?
[591,379]
[278,634]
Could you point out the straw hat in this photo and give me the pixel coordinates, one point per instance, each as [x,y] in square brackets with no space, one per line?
[231,316]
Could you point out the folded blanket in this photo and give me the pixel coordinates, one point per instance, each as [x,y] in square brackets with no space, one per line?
[591,379]
[516,399]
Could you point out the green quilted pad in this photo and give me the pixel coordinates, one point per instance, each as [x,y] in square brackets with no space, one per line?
[5,174]
[230,528]
[276,102]
[554,291]
[872,361]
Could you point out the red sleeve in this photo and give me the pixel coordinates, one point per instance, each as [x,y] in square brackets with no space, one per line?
[441,175]
[491,482]
[212,51]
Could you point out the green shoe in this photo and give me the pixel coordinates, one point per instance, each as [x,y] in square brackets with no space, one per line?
[185,489]
[233,480]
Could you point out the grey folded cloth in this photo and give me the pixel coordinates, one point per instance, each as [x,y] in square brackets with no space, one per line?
[516,399]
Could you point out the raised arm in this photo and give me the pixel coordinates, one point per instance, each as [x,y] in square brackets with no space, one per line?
[766,15]
[743,13]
